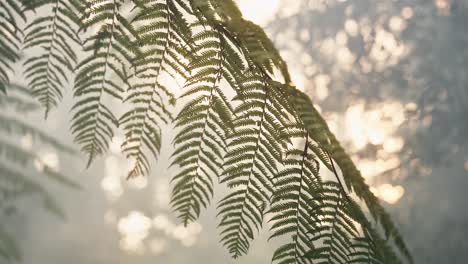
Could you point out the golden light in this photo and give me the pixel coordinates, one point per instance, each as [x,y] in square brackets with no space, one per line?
[162,193]
[407,12]
[298,79]
[112,187]
[393,144]
[163,223]
[115,145]
[466,165]
[351,27]
[389,193]
[321,86]
[372,168]
[134,229]
[27,142]
[139,182]
[341,38]
[344,56]
[111,183]
[397,24]
[355,126]
[411,107]
[187,235]
[258,11]
[47,159]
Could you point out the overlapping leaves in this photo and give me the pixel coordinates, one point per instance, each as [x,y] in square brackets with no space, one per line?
[53,41]
[236,123]
[102,75]
[10,39]
[161,32]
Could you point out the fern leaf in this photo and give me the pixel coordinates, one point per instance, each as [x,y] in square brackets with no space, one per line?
[150,98]
[204,125]
[101,75]
[295,204]
[10,39]
[55,35]
[320,132]
[255,149]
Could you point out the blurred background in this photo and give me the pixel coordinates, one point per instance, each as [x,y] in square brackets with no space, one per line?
[389,76]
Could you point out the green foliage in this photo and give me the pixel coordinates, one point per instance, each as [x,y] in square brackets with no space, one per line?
[161,33]
[237,123]
[10,39]
[201,140]
[19,165]
[55,37]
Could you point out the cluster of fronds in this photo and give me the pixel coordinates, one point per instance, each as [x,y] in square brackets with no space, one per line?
[10,39]
[20,166]
[239,124]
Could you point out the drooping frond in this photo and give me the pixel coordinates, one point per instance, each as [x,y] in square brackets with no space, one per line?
[10,39]
[255,149]
[204,123]
[101,75]
[53,40]
[159,27]
[237,122]
[321,221]
[320,132]
[336,235]
[295,205]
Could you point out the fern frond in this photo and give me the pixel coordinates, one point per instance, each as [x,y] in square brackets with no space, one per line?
[320,132]
[255,149]
[295,205]
[237,123]
[158,28]
[55,36]
[103,74]
[10,39]
[203,123]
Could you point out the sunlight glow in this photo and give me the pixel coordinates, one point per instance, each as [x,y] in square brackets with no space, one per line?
[374,126]
[258,11]
[187,235]
[27,142]
[389,193]
[134,229]
[111,183]
[352,27]
[115,145]
[162,193]
[163,223]
[112,187]
[139,182]
[407,12]
[49,160]
[393,144]
[321,86]
[397,24]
